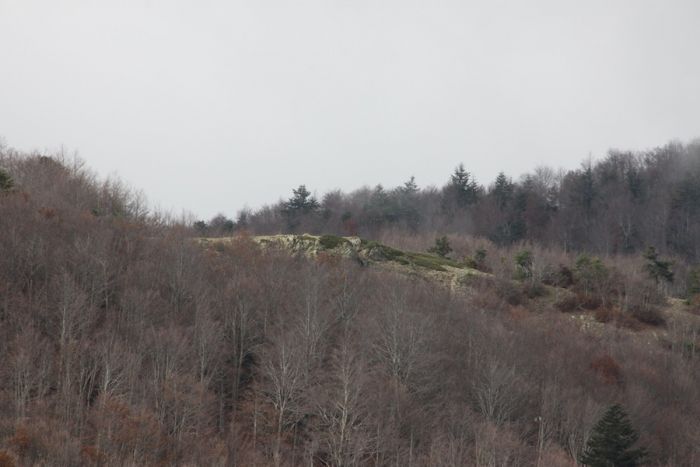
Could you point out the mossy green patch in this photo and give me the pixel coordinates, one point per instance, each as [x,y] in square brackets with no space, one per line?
[402,260]
[386,252]
[330,242]
[423,262]
[391,254]
[434,260]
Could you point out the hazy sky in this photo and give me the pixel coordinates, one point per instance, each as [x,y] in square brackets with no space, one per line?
[212,105]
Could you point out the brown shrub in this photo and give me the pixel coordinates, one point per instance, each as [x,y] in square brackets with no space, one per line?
[534,290]
[510,292]
[615,316]
[22,442]
[47,213]
[627,321]
[91,455]
[605,315]
[607,369]
[694,304]
[589,302]
[649,314]
[562,277]
[644,302]
[518,313]
[566,303]
[6,460]
[554,456]
[488,299]
[328,259]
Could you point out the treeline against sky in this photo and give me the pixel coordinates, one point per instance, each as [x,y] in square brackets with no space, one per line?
[125,342]
[622,203]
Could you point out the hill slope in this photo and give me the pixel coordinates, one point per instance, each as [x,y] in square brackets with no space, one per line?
[126,342]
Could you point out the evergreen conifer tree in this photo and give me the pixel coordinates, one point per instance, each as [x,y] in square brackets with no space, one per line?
[612,441]
[301,202]
[298,206]
[656,267]
[502,190]
[410,187]
[405,198]
[523,263]
[693,282]
[465,187]
[587,189]
[5,181]
[442,247]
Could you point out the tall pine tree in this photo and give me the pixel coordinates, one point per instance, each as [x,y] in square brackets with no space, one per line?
[302,203]
[657,268]
[502,190]
[465,188]
[612,441]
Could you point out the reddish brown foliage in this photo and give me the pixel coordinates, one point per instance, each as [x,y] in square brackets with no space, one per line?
[518,312]
[22,442]
[605,315]
[694,304]
[567,303]
[132,344]
[92,455]
[6,460]
[607,369]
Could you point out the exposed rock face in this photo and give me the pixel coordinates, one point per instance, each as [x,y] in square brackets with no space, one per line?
[452,274]
[311,245]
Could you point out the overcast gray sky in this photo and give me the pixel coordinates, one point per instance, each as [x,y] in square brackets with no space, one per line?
[212,105]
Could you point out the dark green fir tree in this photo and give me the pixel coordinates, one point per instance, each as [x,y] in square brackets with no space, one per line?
[612,442]
[5,181]
[503,191]
[464,187]
[657,268]
[441,248]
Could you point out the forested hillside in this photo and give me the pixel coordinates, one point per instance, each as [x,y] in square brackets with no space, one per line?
[127,339]
[620,204]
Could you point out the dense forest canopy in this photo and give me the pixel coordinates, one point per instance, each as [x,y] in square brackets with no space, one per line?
[126,341]
[622,203]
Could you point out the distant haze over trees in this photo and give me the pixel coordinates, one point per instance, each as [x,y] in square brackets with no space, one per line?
[622,203]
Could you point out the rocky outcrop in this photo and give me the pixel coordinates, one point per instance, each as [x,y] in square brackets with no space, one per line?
[451,273]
